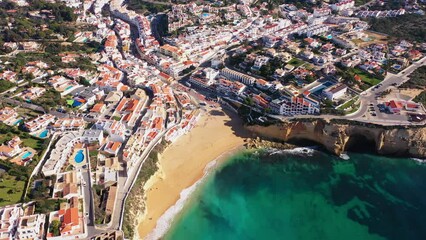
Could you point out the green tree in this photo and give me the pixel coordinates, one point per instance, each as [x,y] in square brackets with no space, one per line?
[54,227]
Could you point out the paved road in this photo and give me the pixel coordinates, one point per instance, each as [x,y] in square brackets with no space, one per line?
[22,104]
[157,2]
[126,183]
[369,96]
[88,203]
[368,100]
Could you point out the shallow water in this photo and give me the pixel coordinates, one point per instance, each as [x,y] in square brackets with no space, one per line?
[300,196]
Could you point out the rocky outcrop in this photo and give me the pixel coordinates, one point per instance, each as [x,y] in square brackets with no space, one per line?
[255,143]
[340,135]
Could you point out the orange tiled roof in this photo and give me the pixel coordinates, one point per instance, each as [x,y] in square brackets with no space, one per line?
[71,217]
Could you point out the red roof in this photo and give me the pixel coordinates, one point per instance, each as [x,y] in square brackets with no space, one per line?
[393,104]
[97,107]
[357,78]
[164,75]
[71,217]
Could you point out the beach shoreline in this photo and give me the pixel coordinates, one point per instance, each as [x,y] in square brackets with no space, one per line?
[183,165]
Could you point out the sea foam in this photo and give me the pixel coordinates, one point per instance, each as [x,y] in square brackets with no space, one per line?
[309,151]
[165,221]
[421,161]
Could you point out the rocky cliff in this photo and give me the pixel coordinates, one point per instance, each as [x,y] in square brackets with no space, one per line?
[339,136]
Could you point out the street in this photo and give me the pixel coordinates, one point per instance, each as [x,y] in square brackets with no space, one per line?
[369,97]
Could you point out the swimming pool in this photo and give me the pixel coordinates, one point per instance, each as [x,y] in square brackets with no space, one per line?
[397,67]
[79,157]
[318,89]
[205,15]
[26,155]
[43,134]
[17,122]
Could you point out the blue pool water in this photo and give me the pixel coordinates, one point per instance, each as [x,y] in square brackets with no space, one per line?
[26,155]
[43,134]
[79,157]
[17,122]
[76,104]
[205,14]
[397,67]
[68,87]
[318,89]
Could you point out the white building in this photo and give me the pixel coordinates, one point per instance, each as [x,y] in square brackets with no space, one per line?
[259,62]
[31,227]
[291,106]
[335,92]
[9,218]
[342,5]
[64,148]
[69,124]
[115,129]
[234,75]
[39,123]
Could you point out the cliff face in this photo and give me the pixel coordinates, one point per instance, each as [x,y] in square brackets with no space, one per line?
[339,137]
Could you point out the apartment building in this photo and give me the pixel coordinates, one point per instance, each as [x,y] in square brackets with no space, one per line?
[291,106]
[172,51]
[204,78]
[237,76]
[342,5]
[68,124]
[65,147]
[39,123]
[31,227]
[228,86]
[116,130]
[9,219]
[19,222]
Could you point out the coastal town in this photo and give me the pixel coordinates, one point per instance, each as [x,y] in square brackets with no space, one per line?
[91,90]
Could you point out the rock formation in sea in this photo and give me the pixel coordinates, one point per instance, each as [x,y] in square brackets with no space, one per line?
[338,136]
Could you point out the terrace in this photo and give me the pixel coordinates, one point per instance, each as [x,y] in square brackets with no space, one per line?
[24,157]
[79,156]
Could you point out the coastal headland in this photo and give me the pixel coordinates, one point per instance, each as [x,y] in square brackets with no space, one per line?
[218,135]
[338,136]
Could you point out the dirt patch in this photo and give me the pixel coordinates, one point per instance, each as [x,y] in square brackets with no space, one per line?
[376,38]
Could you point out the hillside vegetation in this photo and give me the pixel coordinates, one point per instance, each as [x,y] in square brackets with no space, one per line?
[409,27]
[417,79]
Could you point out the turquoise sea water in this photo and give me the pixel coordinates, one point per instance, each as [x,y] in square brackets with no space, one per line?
[296,196]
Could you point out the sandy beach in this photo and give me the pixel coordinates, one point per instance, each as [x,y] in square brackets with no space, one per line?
[183,162]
